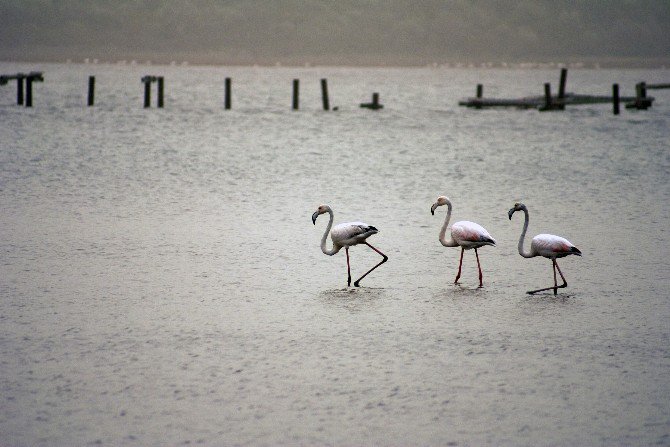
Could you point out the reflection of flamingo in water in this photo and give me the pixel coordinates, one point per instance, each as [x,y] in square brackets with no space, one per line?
[464,234]
[345,235]
[546,245]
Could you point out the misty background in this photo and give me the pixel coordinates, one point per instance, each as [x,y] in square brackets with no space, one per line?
[342,32]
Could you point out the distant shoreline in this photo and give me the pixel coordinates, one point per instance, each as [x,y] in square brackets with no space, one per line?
[526,65]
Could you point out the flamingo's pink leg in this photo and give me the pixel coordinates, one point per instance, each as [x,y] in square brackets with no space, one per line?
[385,258]
[555,287]
[481,284]
[460,264]
[565,283]
[553,267]
[346,249]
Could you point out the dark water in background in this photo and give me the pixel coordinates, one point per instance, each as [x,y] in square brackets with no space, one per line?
[161,282]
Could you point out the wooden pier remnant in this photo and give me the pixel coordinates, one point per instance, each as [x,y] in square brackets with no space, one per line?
[147,80]
[561,89]
[547,97]
[91,91]
[160,84]
[642,102]
[324,94]
[296,94]
[480,93]
[19,90]
[615,99]
[33,76]
[558,102]
[549,103]
[29,92]
[656,86]
[374,105]
[147,91]
[228,98]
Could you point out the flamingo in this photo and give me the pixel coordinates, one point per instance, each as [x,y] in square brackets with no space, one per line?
[346,235]
[546,245]
[464,234]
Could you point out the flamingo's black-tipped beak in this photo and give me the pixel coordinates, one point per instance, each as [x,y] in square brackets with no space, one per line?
[510,212]
[432,209]
[314,216]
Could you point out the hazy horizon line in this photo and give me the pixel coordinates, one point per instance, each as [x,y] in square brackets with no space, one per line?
[575,63]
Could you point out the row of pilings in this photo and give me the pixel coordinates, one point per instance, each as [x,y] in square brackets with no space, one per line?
[149,80]
[546,102]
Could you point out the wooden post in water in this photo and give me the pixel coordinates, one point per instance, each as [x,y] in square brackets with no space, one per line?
[641,102]
[324,94]
[480,94]
[561,88]
[159,99]
[547,97]
[374,105]
[615,98]
[228,98]
[296,92]
[29,91]
[19,89]
[91,90]
[147,92]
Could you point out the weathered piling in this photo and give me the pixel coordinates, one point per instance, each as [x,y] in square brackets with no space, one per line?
[641,90]
[296,94]
[19,89]
[29,91]
[228,94]
[547,98]
[641,101]
[33,76]
[159,99]
[324,94]
[561,89]
[91,90]
[147,91]
[147,80]
[615,98]
[480,94]
[547,95]
[374,105]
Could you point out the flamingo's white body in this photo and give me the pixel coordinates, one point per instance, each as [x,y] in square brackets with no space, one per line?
[464,234]
[546,245]
[346,235]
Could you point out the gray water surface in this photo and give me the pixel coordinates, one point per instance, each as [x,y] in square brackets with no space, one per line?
[161,281]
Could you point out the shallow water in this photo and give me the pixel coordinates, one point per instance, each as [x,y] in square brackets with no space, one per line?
[161,282]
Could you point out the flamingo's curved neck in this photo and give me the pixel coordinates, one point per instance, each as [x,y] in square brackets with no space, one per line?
[525,254]
[443,232]
[335,248]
